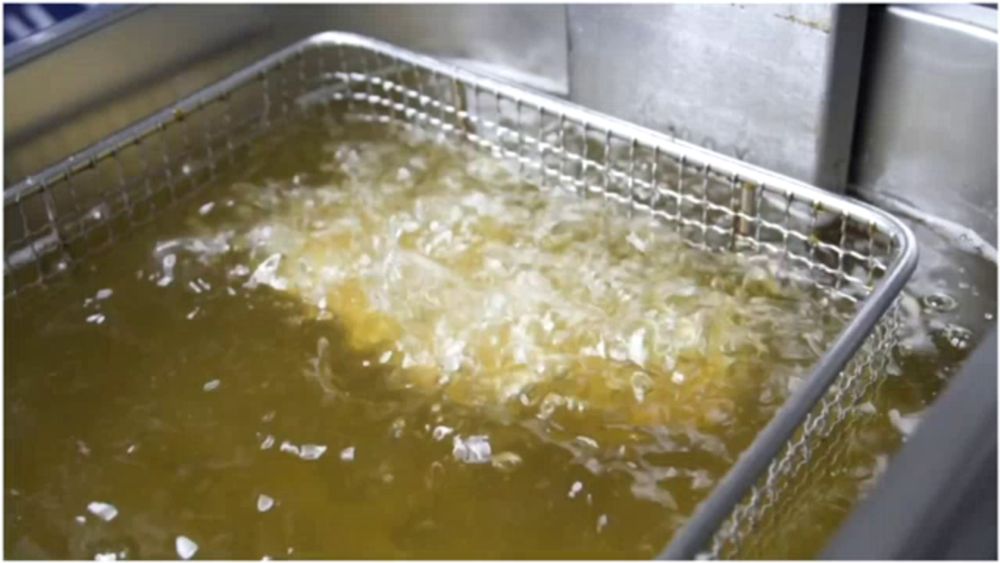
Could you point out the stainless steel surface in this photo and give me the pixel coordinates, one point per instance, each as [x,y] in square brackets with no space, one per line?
[928,121]
[118,74]
[61,33]
[525,43]
[57,217]
[774,85]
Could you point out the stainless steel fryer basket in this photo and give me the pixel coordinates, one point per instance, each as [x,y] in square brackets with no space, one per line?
[851,252]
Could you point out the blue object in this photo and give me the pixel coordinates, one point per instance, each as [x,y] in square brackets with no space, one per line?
[24,20]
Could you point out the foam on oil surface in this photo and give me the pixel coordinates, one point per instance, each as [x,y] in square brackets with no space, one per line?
[466,281]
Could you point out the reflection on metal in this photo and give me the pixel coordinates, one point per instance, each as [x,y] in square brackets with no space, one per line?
[928,127]
[118,74]
[526,43]
[772,84]
[57,34]
[121,73]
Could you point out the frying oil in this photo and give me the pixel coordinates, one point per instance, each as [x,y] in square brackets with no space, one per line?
[370,344]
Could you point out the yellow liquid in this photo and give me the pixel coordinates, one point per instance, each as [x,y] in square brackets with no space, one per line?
[371,345]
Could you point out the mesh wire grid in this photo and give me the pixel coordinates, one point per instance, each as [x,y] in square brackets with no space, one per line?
[786,505]
[852,253]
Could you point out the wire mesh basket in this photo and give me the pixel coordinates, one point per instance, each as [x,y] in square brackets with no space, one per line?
[848,251]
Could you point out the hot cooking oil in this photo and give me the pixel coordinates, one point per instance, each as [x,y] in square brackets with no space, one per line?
[370,344]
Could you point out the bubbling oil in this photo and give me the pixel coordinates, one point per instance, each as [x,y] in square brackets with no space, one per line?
[462,280]
[370,344]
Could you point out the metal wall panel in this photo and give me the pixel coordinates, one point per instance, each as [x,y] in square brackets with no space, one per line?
[70,97]
[523,42]
[67,98]
[772,84]
[928,129]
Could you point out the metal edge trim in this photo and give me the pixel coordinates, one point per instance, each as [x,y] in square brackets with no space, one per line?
[34,46]
[972,24]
